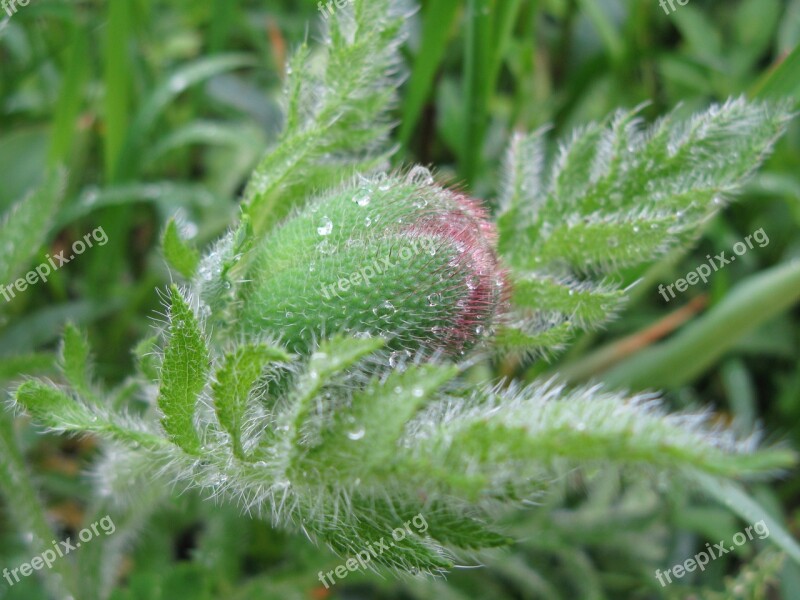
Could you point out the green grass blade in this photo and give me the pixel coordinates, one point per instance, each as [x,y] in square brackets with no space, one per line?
[70,97]
[690,352]
[781,81]
[162,96]
[733,496]
[477,80]
[437,21]
[118,86]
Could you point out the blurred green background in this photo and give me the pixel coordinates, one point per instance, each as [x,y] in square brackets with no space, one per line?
[160,108]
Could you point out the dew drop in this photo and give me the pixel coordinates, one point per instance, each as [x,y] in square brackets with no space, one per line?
[417,392]
[363,196]
[385,310]
[325,226]
[434,299]
[367,221]
[356,434]
[325,247]
[420,175]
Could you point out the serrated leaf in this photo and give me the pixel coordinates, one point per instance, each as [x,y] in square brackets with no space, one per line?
[337,113]
[57,411]
[180,255]
[546,335]
[618,196]
[580,302]
[75,361]
[233,383]
[411,553]
[461,531]
[495,440]
[364,435]
[184,373]
[332,357]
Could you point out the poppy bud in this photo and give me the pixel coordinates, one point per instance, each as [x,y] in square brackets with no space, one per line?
[397,257]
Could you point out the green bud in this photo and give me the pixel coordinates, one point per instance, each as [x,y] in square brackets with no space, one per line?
[396,257]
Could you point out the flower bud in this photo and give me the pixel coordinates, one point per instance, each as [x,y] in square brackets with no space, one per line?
[394,257]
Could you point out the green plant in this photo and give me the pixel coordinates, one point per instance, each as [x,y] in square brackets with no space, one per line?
[346,414]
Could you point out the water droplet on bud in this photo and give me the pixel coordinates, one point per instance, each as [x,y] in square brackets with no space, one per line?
[385,310]
[420,175]
[356,434]
[325,226]
[363,196]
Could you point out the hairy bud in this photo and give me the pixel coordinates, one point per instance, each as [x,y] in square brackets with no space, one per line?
[395,257]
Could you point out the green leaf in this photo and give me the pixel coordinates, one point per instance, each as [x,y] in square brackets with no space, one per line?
[461,531]
[438,19]
[182,257]
[118,84]
[494,443]
[337,111]
[781,81]
[618,196]
[57,411]
[477,85]
[183,78]
[26,511]
[583,303]
[75,361]
[26,364]
[411,554]
[333,356]
[234,382]
[184,373]
[702,342]
[24,227]
[364,435]
[733,496]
